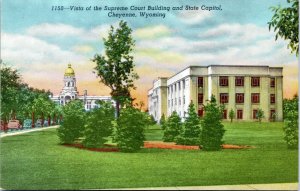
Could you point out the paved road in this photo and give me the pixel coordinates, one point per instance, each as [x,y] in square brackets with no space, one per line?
[18,132]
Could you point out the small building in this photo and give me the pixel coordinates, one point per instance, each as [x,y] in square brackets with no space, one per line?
[245,89]
[69,92]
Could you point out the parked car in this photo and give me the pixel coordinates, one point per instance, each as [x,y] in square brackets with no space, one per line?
[38,123]
[27,123]
[14,124]
[3,126]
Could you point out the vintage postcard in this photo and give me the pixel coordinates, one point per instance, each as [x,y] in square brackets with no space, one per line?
[149,94]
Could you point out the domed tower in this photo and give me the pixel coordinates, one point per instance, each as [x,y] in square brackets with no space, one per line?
[69,91]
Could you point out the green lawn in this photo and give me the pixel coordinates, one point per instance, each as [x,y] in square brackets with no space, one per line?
[36,161]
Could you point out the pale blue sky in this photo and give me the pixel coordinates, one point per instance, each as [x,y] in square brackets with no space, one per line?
[40,41]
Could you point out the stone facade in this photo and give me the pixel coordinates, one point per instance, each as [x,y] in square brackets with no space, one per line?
[69,92]
[245,89]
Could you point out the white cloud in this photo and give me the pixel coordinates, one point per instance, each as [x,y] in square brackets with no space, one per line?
[194,17]
[57,29]
[151,32]
[24,49]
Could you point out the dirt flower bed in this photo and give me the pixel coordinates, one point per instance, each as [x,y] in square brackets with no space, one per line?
[156,145]
[171,145]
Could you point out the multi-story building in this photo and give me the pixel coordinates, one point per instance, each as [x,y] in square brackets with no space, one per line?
[69,92]
[157,98]
[245,89]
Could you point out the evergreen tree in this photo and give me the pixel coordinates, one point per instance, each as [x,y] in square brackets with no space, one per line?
[173,127]
[191,128]
[99,125]
[162,122]
[260,114]
[130,129]
[74,120]
[212,130]
[231,115]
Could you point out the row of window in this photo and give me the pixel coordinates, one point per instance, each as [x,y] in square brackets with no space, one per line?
[175,86]
[239,98]
[239,81]
[239,113]
[174,101]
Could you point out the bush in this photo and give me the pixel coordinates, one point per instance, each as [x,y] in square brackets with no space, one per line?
[291,122]
[99,125]
[260,114]
[73,122]
[162,122]
[130,129]
[152,120]
[231,115]
[212,130]
[173,127]
[191,128]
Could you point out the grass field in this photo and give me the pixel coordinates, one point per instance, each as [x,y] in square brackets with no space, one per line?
[36,161]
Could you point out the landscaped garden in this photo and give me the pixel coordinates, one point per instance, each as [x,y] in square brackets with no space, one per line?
[37,161]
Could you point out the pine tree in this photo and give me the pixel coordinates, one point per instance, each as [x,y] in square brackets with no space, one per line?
[212,130]
[191,128]
[173,127]
[162,121]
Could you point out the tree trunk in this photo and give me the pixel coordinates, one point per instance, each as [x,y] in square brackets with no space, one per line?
[117,108]
[54,120]
[42,119]
[32,119]
[49,120]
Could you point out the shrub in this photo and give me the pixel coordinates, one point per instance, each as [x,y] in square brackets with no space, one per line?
[231,115]
[173,127]
[212,130]
[130,129]
[152,120]
[260,114]
[191,128]
[162,122]
[291,122]
[73,123]
[99,125]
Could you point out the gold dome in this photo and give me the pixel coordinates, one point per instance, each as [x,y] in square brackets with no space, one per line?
[69,71]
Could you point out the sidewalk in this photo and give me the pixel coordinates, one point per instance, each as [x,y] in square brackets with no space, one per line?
[276,186]
[18,132]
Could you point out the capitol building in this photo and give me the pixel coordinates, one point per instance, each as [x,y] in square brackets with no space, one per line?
[69,92]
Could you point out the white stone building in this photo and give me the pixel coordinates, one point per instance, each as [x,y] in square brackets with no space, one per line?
[245,89]
[69,92]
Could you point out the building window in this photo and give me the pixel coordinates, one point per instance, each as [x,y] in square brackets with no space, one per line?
[224,98]
[239,98]
[178,86]
[183,84]
[183,100]
[200,112]
[239,114]
[225,114]
[239,81]
[171,89]
[200,81]
[169,103]
[175,101]
[168,90]
[88,106]
[272,114]
[272,82]
[255,81]
[223,80]
[200,98]
[255,98]
[254,114]
[272,98]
